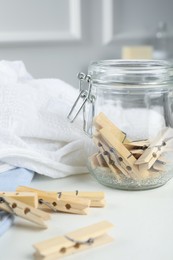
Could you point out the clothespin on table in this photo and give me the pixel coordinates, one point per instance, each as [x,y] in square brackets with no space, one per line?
[29,198]
[51,201]
[73,242]
[83,199]
[23,210]
[96,198]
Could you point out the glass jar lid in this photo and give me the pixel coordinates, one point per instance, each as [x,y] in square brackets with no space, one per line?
[131,72]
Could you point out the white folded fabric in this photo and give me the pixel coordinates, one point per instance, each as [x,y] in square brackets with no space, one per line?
[34,130]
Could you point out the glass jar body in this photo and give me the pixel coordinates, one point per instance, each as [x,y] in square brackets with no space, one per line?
[131,122]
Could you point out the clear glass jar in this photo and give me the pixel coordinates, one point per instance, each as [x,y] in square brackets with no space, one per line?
[127,109]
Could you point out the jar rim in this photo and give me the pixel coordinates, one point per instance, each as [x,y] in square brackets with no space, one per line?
[140,72]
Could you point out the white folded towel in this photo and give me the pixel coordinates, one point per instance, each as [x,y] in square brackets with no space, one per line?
[34,131]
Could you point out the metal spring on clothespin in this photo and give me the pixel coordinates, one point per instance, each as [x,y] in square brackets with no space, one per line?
[89,241]
[48,204]
[57,202]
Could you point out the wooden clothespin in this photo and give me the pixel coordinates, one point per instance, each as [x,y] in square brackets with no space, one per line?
[94,161]
[159,166]
[101,160]
[97,161]
[110,157]
[125,161]
[138,144]
[137,147]
[96,198]
[138,160]
[29,198]
[109,141]
[136,152]
[83,199]
[23,210]
[156,149]
[51,201]
[162,159]
[119,149]
[101,121]
[73,242]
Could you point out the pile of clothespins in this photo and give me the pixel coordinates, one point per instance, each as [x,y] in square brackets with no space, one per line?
[31,204]
[137,160]
[35,206]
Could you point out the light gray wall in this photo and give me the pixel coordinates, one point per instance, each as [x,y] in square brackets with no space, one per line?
[58,38]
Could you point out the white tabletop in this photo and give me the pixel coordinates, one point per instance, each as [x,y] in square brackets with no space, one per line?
[143,223]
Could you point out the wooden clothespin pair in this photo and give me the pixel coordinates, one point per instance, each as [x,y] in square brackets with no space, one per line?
[137,147]
[152,158]
[112,145]
[136,160]
[23,204]
[73,242]
[68,202]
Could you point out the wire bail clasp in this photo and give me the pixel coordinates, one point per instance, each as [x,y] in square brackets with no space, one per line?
[83,97]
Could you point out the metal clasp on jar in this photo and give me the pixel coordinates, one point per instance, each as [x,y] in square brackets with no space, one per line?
[83,97]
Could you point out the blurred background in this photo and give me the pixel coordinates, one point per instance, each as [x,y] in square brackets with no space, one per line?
[59,38]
